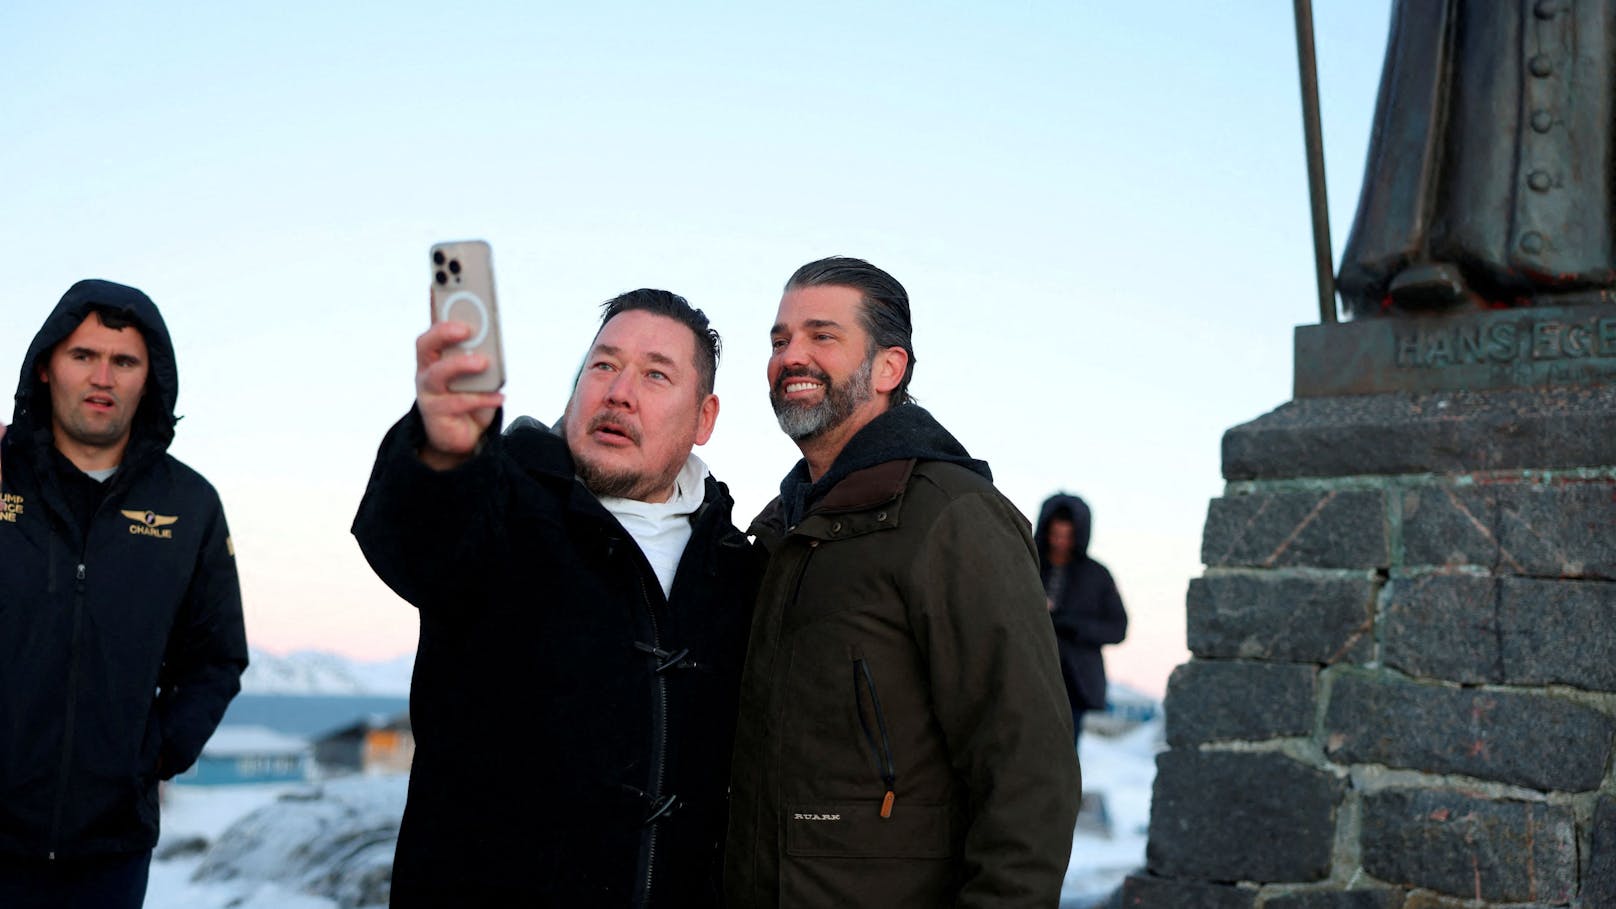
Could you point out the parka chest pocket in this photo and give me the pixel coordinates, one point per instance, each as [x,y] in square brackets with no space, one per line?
[832,579]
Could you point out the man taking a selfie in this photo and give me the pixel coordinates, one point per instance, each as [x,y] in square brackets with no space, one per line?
[121,638]
[904,734]
[584,599]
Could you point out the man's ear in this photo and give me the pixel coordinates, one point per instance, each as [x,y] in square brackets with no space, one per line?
[706,419]
[891,363]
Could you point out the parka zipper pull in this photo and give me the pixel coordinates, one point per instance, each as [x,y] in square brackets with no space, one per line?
[80,575]
[886,804]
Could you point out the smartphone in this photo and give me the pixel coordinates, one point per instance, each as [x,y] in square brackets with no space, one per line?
[463,290]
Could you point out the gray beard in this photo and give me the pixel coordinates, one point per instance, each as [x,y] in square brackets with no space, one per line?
[801,422]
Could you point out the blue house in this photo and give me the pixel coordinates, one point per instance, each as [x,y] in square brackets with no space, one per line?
[250,754]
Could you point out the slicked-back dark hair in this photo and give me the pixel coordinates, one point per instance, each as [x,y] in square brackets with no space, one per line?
[664,303]
[885,310]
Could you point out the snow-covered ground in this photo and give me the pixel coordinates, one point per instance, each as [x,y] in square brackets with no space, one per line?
[267,846]
[206,812]
[1120,770]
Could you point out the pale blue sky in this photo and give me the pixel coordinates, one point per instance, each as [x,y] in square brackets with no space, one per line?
[1099,210]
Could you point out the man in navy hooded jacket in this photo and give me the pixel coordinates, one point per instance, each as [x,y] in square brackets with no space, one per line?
[121,637]
[1083,601]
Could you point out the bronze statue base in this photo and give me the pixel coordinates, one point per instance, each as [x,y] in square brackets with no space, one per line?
[1474,350]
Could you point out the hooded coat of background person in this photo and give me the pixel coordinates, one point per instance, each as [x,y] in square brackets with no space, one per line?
[1085,606]
[121,633]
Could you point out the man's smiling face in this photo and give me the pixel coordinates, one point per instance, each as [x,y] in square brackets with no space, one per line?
[820,361]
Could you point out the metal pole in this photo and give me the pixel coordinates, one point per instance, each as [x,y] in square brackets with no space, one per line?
[1322,257]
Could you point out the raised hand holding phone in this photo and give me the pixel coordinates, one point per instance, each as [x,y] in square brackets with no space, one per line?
[463,291]
[458,362]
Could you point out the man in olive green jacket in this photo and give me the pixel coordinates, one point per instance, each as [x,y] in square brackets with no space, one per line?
[904,734]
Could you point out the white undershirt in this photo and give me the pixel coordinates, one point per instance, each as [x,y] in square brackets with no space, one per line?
[663,528]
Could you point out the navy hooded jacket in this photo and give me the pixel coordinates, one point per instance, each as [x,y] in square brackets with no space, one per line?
[121,639]
[1089,612]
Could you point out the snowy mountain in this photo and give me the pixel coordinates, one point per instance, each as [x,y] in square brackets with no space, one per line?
[319,672]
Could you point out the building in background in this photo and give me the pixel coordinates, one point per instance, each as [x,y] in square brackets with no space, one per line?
[376,744]
[250,754]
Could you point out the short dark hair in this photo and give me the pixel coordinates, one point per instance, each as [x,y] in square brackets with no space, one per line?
[663,303]
[885,310]
[115,319]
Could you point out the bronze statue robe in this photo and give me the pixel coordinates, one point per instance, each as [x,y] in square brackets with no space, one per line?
[1489,173]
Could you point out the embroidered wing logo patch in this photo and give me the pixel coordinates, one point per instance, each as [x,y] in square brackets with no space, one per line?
[150,518]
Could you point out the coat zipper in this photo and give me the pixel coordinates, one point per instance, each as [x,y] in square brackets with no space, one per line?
[68,723]
[71,714]
[862,678]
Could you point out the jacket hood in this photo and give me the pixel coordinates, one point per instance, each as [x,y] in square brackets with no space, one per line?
[903,432]
[1064,505]
[154,419]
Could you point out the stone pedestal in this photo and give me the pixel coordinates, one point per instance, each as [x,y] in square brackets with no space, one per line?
[1403,686]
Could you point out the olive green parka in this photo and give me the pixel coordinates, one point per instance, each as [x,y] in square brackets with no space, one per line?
[904,737]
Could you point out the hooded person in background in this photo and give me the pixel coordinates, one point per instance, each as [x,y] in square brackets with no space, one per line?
[1083,602]
[121,637]
[902,736]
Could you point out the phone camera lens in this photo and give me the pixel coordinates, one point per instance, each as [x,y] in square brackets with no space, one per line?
[454,266]
[442,278]
[437,257]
